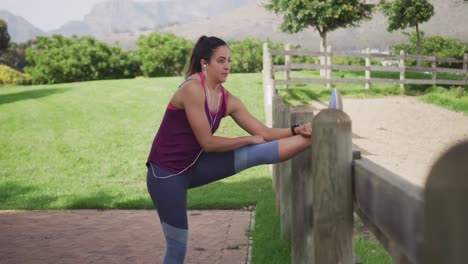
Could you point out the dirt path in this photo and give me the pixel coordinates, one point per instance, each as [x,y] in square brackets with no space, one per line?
[403,134]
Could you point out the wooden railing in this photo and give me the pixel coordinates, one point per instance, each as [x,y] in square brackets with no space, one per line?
[402,68]
[318,190]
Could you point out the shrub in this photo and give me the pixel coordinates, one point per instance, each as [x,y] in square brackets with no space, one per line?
[58,59]
[440,46]
[10,76]
[163,54]
[247,55]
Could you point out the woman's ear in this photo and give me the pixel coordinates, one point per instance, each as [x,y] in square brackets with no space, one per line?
[203,63]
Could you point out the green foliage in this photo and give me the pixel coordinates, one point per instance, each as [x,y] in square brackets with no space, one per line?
[246,55]
[402,14]
[442,47]
[4,36]
[280,60]
[15,55]
[58,59]
[163,54]
[348,61]
[10,76]
[324,16]
[407,13]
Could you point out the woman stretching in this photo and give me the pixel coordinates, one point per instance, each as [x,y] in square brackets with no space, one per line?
[185,152]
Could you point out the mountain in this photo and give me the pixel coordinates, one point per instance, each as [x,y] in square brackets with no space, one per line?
[71,28]
[123,21]
[117,16]
[129,16]
[254,20]
[19,29]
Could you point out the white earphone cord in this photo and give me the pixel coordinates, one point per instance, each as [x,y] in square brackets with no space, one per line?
[201,151]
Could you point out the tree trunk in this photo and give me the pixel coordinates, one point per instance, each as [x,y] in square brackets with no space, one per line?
[323,48]
[419,45]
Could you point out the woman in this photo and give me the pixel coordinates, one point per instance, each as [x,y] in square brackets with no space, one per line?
[185,153]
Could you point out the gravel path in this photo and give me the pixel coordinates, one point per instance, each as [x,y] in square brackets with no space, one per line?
[404,134]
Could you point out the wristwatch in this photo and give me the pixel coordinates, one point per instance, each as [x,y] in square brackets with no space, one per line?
[293,129]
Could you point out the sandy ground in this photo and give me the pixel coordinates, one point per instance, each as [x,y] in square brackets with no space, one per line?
[404,134]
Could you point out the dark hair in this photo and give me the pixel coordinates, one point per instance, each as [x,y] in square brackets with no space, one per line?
[203,49]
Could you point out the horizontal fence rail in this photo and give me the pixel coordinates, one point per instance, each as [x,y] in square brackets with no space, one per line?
[327,68]
[392,208]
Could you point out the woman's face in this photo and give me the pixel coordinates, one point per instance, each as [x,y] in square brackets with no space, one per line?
[219,66]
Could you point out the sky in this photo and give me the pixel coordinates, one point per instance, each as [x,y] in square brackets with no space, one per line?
[49,14]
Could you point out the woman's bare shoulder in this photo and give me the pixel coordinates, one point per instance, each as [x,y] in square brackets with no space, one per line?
[190,91]
[191,83]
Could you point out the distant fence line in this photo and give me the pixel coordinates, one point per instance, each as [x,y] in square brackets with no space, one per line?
[269,69]
[318,190]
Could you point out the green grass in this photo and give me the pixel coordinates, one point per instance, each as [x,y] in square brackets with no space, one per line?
[454,98]
[84,145]
[370,252]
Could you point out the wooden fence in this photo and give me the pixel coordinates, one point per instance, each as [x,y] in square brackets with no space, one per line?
[402,68]
[318,190]
[270,83]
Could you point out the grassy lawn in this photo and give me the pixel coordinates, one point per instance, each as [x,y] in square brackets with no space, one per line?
[454,98]
[84,145]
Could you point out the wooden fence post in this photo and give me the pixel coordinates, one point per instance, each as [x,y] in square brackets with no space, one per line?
[446,211]
[329,69]
[434,69]
[368,65]
[332,207]
[287,63]
[268,84]
[285,199]
[402,69]
[465,67]
[289,174]
[301,228]
[277,104]
[282,119]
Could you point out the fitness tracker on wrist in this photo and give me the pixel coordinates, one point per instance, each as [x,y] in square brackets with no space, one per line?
[293,129]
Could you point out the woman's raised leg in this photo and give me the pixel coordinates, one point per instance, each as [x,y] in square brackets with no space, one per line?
[213,166]
[290,146]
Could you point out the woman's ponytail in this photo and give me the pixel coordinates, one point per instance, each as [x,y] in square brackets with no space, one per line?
[203,49]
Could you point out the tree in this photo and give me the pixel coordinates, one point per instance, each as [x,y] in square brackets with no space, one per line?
[402,14]
[4,36]
[15,55]
[163,54]
[323,16]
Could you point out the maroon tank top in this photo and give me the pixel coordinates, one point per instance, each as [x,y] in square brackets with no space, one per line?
[175,146]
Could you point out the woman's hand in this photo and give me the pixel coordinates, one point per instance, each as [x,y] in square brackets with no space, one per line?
[256,140]
[304,130]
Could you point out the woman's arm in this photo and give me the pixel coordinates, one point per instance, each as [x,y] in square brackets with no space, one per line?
[194,104]
[253,126]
